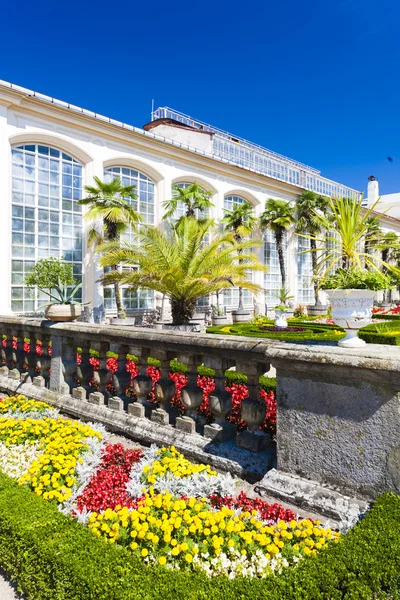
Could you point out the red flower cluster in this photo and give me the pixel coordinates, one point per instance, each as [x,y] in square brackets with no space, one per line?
[39,347]
[27,347]
[132,368]
[49,350]
[107,488]
[112,364]
[180,380]
[14,343]
[4,342]
[270,401]
[267,512]
[207,384]
[381,311]
[78,358]
[95,362]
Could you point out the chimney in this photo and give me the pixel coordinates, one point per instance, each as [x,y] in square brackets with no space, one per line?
[373,189]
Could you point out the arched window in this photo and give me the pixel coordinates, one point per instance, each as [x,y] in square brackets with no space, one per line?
[272,278]
[230,201]
[46,216]
[231,294]
[145,187]
[305,288]
[200,214]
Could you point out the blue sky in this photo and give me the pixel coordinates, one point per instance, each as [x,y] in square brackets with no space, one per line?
[316,80]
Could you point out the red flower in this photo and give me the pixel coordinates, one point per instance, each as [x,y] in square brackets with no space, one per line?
[95,362]
[268,512]
[107,487]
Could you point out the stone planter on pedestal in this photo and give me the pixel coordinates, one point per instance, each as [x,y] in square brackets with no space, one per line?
[61,313]
[253,438]
[220,405]
[352,310]
[315,310]
[127,322]
[280,318]
[220,320]
[142,385]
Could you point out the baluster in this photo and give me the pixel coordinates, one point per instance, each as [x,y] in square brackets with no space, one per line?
[192,397]
[84,370]
[253,410]
[220,402]
[57,382]
[69,362]
[164,388]
[45,358]
[142,385]
[3,353]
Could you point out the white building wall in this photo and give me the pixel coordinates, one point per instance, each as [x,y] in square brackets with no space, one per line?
[98,145]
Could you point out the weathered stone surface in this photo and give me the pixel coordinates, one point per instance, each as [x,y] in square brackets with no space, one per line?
[79,393]
[219,433]
[115,403]
[253,441]
[137,410]
[338,416]
[309,494]
[186,425]
[160,416]
[96,398]
[14,374]
[39,381]
[4,371]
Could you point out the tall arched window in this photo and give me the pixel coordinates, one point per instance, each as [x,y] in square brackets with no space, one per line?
[230,201]
[231,294]
[272,278]
[46,216]
[145,188]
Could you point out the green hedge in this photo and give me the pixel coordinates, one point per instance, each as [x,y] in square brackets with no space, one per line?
[387,332]
[312,331]
[387,317]
[54,558]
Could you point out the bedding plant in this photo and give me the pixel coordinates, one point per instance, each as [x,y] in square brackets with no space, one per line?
[163,508]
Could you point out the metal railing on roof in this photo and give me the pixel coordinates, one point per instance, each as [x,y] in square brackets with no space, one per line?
[243,153]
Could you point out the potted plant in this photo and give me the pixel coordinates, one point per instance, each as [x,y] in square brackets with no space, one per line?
[350,276]
[283,310]
[218,315]
[351,294]
[54,277]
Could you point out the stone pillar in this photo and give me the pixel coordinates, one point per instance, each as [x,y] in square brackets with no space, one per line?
[338,416]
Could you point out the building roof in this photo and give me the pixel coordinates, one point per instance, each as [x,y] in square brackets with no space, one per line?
[233,151]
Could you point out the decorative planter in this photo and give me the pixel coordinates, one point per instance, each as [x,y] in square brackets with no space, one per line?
[240,316]
[127,322]
[352,310]
[315,310]
[60,313]
[220,320]
[280,318]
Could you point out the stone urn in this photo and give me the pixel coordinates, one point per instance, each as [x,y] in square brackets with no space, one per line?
[280,318]
[61,313]
[352,310]
[253,412]
[241,316]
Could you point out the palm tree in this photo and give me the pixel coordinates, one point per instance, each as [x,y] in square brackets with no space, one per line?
[278,216]
[387,245]
[193,197]
[241,222]
[372,235]
[310,206]
[110,214]
[179,265]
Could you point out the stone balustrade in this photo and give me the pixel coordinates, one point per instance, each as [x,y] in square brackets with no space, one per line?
[130,370]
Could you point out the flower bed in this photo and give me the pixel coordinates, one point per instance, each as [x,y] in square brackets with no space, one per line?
[162,507]
[298,330]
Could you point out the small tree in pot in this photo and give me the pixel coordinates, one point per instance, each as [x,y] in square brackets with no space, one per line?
[54,277]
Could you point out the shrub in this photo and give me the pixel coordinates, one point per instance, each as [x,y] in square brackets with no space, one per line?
[387,332]
[52,556]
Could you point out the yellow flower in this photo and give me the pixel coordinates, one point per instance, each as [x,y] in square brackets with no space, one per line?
[144,552]
[162,560]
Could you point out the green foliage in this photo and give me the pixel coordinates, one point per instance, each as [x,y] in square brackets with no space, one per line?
[205,371]
[154,362]
[194,199]
[387,317]
[110,354]
[79,350]
[178,367]
[132,357]
[180,264]
[235,377]
[54,277]
[268,383]
[357,279]
[51,556]
[312,331]
[94,353]
[387,332]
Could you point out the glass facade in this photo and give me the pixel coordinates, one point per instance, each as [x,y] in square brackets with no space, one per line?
[145,190]
[46,216]
[230,201]
[305,288]
[272,279]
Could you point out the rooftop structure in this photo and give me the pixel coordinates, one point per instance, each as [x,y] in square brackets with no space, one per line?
[245,154]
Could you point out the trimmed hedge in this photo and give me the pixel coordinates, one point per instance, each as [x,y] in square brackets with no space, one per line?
[386,317]
[312,331]
[54,558]
[387,332]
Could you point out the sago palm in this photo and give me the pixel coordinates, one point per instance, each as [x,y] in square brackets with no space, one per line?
[309,208]
[242,223]
[110,215]
[176,263]
[194,199]
[278,216]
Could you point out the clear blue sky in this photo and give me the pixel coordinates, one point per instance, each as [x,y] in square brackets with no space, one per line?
[316,80]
